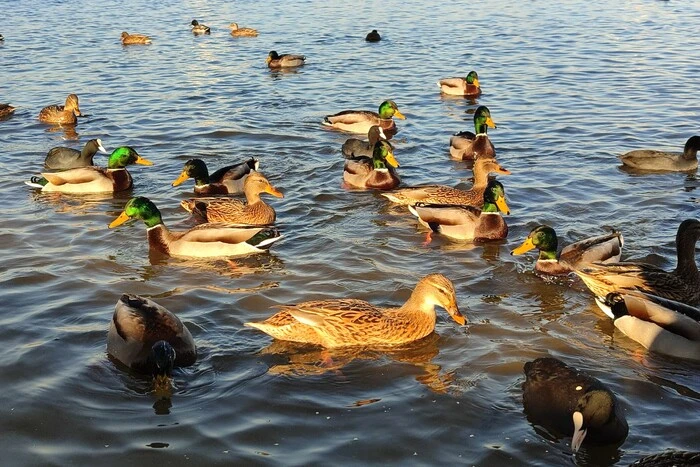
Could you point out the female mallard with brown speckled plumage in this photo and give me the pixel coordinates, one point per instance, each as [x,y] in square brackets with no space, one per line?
[229,179]
[6,110]
[604,248]
[61,114]
[275,60]
[93,179]
[440,194]
[202,241]
[134,39]
[652,160]
[242,32]
[375,172]
[466,145]
[254,212]
[360,121]
[351,322]
[468,86]
[682,284]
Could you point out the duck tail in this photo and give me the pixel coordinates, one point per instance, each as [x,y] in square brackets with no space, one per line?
[36,182]
[265,237]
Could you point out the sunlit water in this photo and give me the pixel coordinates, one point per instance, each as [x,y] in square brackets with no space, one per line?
[570,84]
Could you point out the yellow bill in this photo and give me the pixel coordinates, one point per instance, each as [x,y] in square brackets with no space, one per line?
[183,176]
[274,191]
[391,160]
[490,122]
[476,82]
[524,248]
[123,217]
[142,161]
[399,115]
[502,205]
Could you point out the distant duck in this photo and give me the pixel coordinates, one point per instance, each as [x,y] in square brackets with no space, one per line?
[149,339]
[373,36]
[227,180]
[242,32]
[605,248]
[2,38]
[199,28]
[354,147]
[653,160]
[61,114]
[134,39]
[360,121]
[6,110]
[377,172]
[275,60]
[568,401]
[468,87]
[466,145]
[62,158]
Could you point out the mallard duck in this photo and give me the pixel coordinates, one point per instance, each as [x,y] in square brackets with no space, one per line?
[204,240]
[604,248]
[134,39]
[360,121]
[61,114]
[199,28]
[373,36]
[660,325]
[149,339]
[682,284]
[93,179]
[351,322]
[669,459]
[375,172]
[234,211]
[61,158]
[229,179]
[354,147]
[466,145]
[652,160]
[570,402]
[6,110]
[440,194]
[468,86]
[274,60]
[242,32]
[467,222]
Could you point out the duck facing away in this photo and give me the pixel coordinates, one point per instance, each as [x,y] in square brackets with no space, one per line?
[253,212]
[376,172]
[604,248]
[351,322]
[441,194]
[134,39]
[242,32]
[360,121]
[572,403]
[149,339]
[62,114]
[227,180]
[373,36]
[468,87]
[199,28]
[466,145]
[62,158]
[6,110]
[354,147]
[202,241]
[681,285]
[93,179]
[653,160]
[275,60]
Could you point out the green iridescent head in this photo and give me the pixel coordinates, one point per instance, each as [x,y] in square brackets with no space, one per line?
[194,168]
[389,109]
[383,155]
[472,78]
[125,155]
[139,208]
[482,119]
[495,198]
[544,239]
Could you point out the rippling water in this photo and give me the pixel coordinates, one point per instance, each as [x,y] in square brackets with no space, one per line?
[571,85]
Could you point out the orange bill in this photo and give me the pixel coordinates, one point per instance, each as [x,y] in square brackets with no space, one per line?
[123,217]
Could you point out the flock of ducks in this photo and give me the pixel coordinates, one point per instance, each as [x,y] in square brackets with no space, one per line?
[654,307]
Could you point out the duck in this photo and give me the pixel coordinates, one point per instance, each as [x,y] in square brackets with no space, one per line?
[441,194]
[468,87]
[466,145]
[253,212]
[242,32]
[354,147]
[134,39]
[466,222]
[149,339]
[604,248]
[199,28]
[681,285]
[227,180]
[203,241]
[62,158]
[6,110]
[275,60]
[572,403]
[660,325]
[653,160]
[360,121]
[352,322]
[93,179]
[61,114]
[376,172]
[373,36]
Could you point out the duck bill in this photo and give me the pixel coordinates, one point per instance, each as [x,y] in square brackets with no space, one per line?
[454,312]
[102,149]
[183,176]
[274,192]
[268,60]
[476,82]
[502,205]
[579,433]
[142,161]
[524,248]
[162,386]
[502,171]
[399,115]
[123,217]
[391,160]
[490,122]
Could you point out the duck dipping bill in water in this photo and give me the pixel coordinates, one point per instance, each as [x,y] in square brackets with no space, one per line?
[661,161]
[468,86]
[360,121]
[62,114]
[466,145]
[229,179]
[62,158]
